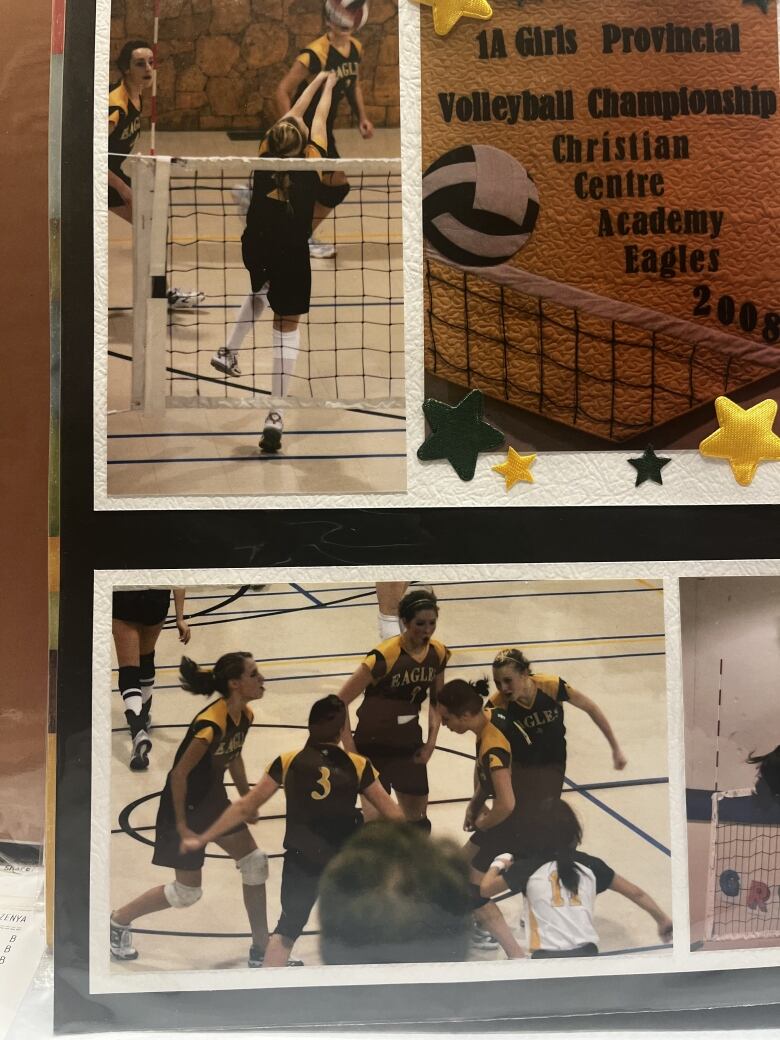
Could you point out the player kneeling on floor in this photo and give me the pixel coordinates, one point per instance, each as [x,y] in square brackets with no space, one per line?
[194,796]
[321,783]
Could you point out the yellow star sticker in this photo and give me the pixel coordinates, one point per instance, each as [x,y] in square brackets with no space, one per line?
[447,13]
[745,437]
[517,467]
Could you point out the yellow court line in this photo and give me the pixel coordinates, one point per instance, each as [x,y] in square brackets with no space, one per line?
[455,653]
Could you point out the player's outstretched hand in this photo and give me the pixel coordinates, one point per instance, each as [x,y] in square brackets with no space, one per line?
[619,760]
[665,930]
[366,129]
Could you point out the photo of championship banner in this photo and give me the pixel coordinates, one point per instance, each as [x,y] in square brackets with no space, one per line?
[600,214]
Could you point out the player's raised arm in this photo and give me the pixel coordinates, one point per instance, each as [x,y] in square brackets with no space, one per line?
[319,124]
[288,86]
[298,109]
[579,700]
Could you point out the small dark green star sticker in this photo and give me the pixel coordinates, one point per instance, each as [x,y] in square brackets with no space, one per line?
[763,4]
[649,466]
[459,433]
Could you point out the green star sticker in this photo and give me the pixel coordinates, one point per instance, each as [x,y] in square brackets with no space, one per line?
[649,466]
[459,433]
[763,4]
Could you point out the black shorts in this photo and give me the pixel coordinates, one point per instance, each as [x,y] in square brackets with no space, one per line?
[286,270]
[114,198]
[199,817]
[588,950]
[505,837]
[300,886]
[142,607]
[396,767]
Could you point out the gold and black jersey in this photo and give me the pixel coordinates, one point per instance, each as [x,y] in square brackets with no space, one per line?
[124,121]
[321,55]
[225,741]
[321,784]
[493,752]
[536,732]
[273,217]
[399,684]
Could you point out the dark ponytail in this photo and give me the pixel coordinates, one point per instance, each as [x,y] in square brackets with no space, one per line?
[205,681]
[463,698]
[559,834]
[768,778]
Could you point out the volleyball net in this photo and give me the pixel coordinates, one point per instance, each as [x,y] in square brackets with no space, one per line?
[743,897]
[610,368]
[189,215]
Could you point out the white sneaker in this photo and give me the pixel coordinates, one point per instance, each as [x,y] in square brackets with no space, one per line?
[242,196]
[321,250]
[142,745]
[184,299]
[273,428]
[122,942]
[226,361]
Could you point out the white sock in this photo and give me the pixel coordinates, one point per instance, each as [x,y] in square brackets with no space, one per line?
[388,625]
[251,310]
[133,701]
[285,351]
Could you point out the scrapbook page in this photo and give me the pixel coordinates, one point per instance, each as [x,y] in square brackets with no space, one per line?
[418,507]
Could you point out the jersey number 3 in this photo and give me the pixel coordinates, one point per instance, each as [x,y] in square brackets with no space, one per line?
[324,782]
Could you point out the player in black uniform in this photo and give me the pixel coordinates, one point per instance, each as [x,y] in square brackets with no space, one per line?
[321,784]
[395,678]
[194,796]
[767,786]
[137,619]
[493,830]
[560,886]
[274,245]
[528,709]
[135,62]
[340,52]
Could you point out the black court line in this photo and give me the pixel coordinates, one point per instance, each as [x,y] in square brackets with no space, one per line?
[307,595]
[250,433]
[253,389]
[257,458]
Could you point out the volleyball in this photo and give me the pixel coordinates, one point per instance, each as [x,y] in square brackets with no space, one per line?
[479,205]
[347,14]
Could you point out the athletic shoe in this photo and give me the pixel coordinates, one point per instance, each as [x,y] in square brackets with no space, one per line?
[482,940]
[242,196]
[184,299]
[256,959]
[226,361]
[321,250]
[273,428]
[146,716]
[122,942]
[142,745]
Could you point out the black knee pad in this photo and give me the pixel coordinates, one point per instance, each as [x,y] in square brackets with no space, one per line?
[147,669]
[129,679]
[476,899]
[331,195]
[422,825]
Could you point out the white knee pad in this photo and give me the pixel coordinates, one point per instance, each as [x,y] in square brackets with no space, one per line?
[254,868]
[180,896]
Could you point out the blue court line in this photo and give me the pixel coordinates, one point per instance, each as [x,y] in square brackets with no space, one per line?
[256,433]
[621,819]
[342,675]
[308,595]
[256,458]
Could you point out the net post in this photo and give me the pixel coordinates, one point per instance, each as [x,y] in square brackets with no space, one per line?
[142,179]
[709,913]
[156,317]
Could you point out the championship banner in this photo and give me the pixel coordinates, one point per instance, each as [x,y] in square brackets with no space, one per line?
[601,207]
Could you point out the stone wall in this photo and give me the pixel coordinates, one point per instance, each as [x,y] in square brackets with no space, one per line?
[220,61]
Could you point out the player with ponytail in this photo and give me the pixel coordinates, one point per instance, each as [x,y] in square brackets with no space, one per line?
[274,245]
[194,797]
[560,885]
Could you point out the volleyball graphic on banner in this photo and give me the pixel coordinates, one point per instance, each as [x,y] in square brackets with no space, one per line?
[479,205]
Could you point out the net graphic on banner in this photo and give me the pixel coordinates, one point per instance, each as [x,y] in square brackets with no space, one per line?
[743,898]
[613,369]
[191,217]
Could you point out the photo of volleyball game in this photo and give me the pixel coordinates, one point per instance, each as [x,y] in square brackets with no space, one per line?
[593,259]
[360,773]
[255,274]
[732,760]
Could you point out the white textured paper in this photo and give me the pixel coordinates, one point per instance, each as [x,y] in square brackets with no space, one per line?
[680,959]
[561,478]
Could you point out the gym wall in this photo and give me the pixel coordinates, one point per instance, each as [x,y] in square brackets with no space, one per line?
[220,61]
